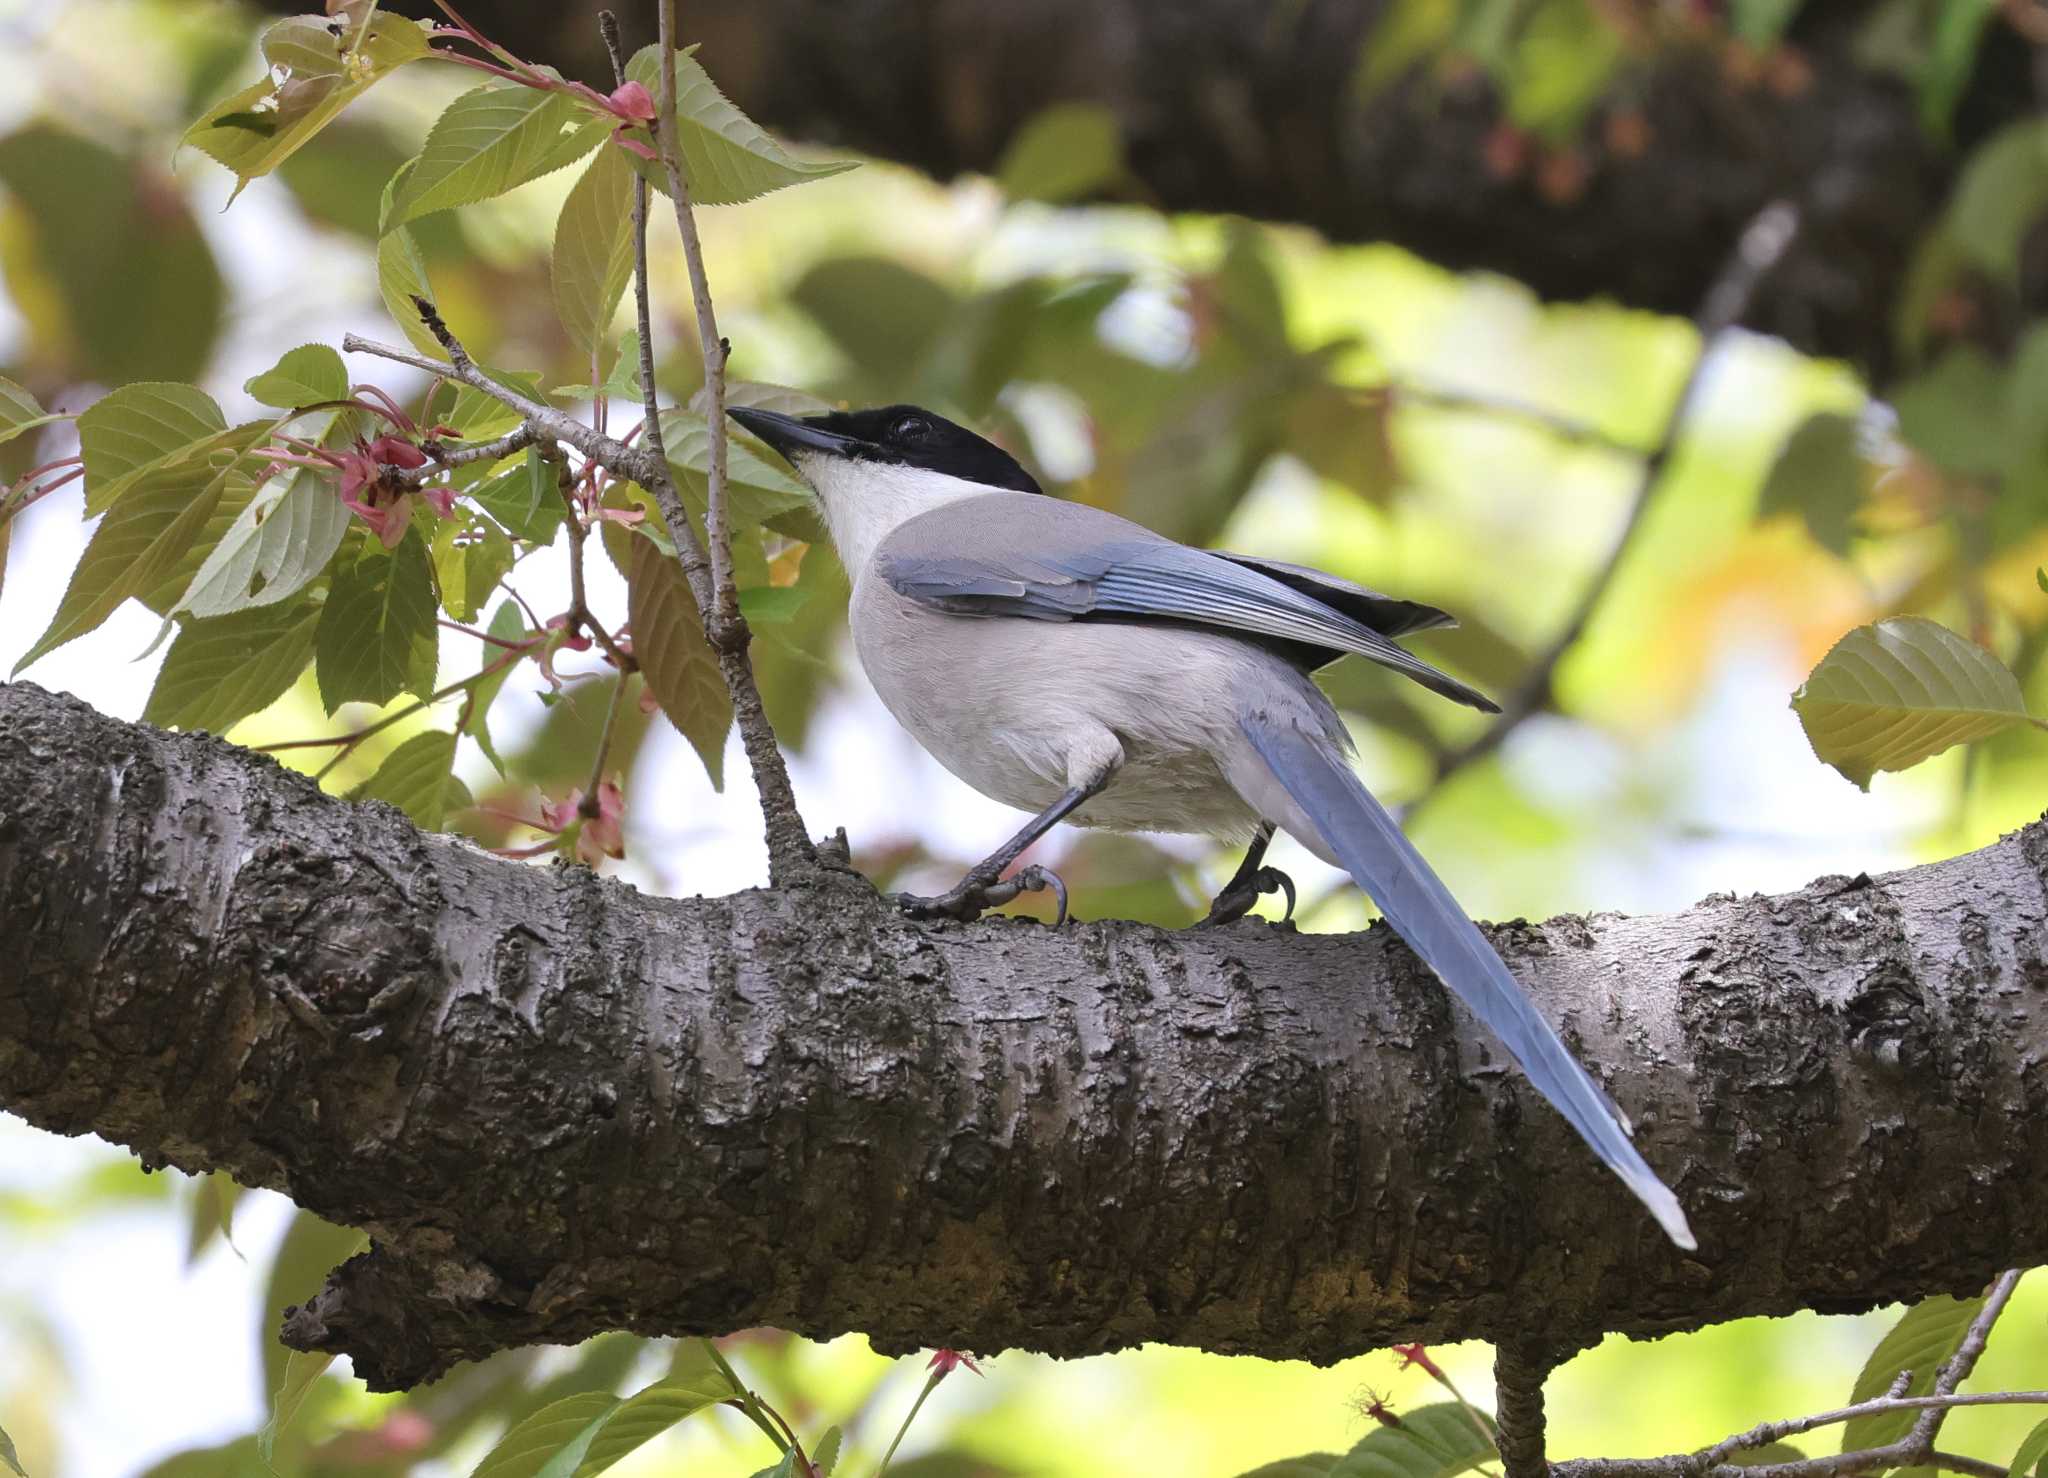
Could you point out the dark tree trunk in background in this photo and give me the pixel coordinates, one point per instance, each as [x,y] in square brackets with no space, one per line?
[561,1106]
[1245,106]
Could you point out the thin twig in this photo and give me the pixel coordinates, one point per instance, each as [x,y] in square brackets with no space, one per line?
[589,807]
[580,615]
[1955,1462]
[1762,246]
[1449,398]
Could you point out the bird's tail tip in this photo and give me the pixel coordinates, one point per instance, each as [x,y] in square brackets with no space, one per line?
[1670,1216]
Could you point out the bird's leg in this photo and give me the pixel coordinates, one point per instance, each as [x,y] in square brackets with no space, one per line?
[985,886]
[1252,881]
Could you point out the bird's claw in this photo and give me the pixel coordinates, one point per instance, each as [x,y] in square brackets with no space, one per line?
[1238,896]
[974,895]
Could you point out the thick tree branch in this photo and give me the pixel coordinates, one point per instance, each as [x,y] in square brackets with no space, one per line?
[560,1106]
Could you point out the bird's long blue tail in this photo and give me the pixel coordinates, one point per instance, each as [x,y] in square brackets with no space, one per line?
[1382,861]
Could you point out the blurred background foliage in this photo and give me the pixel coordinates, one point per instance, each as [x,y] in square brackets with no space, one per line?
[1448,438]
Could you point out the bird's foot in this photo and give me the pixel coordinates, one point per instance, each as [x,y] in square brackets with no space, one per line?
[967,901]
[1239,894]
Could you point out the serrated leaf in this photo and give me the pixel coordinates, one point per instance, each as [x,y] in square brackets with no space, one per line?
[645,1415]
[219,672]
[1437,1441]
[402,272]
[762,396]
[726,157]
[476,415]
[157,522]
[509,625]
[9,1456]
[376,633]
[490,140]
[537,1445]
[756,491]
[825,1452]
[415,777]
[278,542]
[471,555]
[2031,1461]
[304,376]
[20,413]
[677,661]
[1820,476]
[593,255]
[302,1368]
[1064,152]
[1888,696]
[314,75]
[1308,1465]
[1922,1341]
[523,499]
[134,430]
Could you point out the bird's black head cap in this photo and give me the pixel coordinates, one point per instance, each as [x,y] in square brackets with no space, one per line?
[906,435]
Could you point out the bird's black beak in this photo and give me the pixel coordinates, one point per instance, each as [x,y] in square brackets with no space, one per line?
[792,434]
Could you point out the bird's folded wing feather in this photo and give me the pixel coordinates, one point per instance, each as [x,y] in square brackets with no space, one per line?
[1068,562]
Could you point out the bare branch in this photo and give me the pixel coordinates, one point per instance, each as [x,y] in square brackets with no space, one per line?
[1762,246]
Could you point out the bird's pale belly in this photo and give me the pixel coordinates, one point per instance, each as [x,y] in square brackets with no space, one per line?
[1005,704]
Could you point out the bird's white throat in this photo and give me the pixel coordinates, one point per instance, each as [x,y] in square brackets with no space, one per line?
[865,501]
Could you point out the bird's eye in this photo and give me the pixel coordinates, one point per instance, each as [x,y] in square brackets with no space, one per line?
[910,428]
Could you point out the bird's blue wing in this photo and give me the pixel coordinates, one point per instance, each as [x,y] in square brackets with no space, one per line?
[1050,569]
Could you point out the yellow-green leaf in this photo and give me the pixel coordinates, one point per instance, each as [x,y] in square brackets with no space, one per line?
[1888,696]
[523,498]
[1438,1441]
[677,661]
[302,1368]
[471,555]
[278,541]
[304,376]
[1922,1342]
[726,157]
[2031,1461]
[314,74]
[593,256]
[416,778]
[645,1415]
[507,624]
[1065,152]
[376,636]
[139,428]
[490,140]
[19,412]
[9,1456]
[219,672]
[561,1428]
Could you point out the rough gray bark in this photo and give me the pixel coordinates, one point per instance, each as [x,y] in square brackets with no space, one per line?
[1247,107]
[561,1106]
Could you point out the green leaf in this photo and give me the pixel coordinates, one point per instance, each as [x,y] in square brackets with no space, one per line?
[313,76]
[1888,696]
[772,605]
[1821,476]
[1308,1465]
[219,672]
[1437,1441]
[523,499]
[508,624]
[883,316]
[726,156]
[376,633]
[9,1456]
[680,668]
[1951,57]
[1954,412]
[1408,32]
[477,415]
[155,525]
[302,1368]
[105,259]
[2002,192]
[2031,1461]
[756,491]
[1922,1341]
[539,1444]
[782,1469]
[212,1214]
[311,1249]
[279,540]
[416,777]
[647,1414]
[19,412]
[471,555]
[1762,22]
[825,1452]
[491,140]
[1065,152]
[139,429]
[593,256]
[306,375]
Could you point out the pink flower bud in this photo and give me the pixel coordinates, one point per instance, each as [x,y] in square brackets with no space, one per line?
[631,100]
